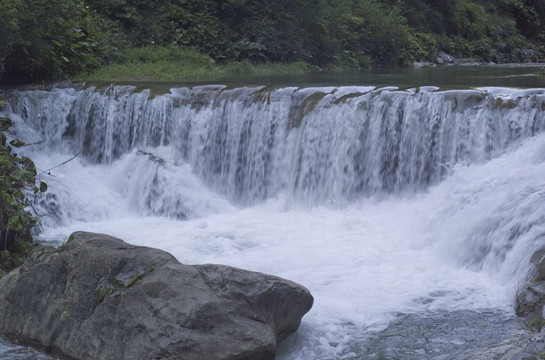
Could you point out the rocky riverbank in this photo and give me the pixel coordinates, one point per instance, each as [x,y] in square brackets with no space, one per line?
[515,56]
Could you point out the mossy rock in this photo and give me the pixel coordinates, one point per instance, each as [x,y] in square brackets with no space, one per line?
[505,103]
[5,123]
[19,253]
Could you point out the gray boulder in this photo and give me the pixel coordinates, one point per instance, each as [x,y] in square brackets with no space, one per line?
[98,297]
[444,58]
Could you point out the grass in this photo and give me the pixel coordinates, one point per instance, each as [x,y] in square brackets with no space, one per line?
[174,64]
[103,289]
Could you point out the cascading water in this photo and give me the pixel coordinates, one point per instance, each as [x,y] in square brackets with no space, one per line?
[398,209]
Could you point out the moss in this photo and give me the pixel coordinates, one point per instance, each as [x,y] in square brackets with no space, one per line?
[108,284]
[535,323]
[299,112]
[345,98]
[16,256]
[70,238]
[62,247]
[132,280]
[505,103]
[104,288]
[5,123]
[476,98]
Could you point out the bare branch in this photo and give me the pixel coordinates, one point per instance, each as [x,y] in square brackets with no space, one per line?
[56,166]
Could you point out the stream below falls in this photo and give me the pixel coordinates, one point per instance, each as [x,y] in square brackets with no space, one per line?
[410,214]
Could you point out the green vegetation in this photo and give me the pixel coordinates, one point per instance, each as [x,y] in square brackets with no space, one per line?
[104,288]
[45,39]
[17,176]
[172,63]
[108,284]
[192,39]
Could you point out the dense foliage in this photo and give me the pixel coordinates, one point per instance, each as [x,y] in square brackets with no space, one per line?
[52,39]
[17,176]
[45,39]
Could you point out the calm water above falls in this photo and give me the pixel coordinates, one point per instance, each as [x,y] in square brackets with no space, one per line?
[409,214]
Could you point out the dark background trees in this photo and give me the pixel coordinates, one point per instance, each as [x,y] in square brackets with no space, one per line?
[45,39]
[41,39]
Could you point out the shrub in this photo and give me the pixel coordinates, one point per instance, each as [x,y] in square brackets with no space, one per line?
[17,176]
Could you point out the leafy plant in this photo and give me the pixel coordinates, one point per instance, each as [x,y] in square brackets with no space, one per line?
[17,176]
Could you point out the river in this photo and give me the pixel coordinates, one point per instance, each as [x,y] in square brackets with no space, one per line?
[409,211]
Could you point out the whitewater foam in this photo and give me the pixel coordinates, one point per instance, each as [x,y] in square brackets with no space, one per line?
[382,202]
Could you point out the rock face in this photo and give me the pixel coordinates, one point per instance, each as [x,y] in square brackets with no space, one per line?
[531,297]
[444,58]
[98,297]
[529,305]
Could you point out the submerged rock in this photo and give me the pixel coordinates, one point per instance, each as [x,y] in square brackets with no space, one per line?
[98,297]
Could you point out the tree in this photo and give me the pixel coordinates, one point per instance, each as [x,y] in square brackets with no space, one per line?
[9,27]
[530,17]
[45,39]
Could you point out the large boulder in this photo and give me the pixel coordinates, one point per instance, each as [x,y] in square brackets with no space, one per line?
[97,297]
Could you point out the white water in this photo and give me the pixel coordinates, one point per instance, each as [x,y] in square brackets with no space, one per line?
[380,202]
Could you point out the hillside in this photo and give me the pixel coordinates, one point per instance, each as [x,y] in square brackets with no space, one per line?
[40,39]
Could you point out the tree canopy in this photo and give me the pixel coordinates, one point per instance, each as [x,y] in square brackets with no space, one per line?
[43,39]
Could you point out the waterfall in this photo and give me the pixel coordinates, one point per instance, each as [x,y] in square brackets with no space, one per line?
[382,201]
[318,144]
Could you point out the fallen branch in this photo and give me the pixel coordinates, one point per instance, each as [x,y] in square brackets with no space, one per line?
[56,166]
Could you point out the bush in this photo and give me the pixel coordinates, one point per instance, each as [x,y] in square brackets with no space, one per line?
[384,33]
[17,176]
[424,47]
[45,39]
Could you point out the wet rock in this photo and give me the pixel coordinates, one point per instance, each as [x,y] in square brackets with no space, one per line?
[423,64]
[5,122]
[531,297]
[444,58]
[530,300]
[528,347]
[98,297]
